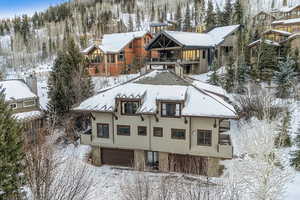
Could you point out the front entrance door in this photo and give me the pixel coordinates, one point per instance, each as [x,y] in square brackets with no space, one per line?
[152,159]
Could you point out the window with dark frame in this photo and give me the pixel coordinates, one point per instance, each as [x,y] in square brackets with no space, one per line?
[130,45]
[204,137]
[142,130]
[129,107]
[158,132]
[170,109]
[203,54]
[123,130]
[13,106]
[103,130]
[178,134]
[121,56]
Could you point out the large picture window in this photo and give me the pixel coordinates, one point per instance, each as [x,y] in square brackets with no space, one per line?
[204,137]
[123,130]
[130,107]
[170,109]
[178,134]
[102,130]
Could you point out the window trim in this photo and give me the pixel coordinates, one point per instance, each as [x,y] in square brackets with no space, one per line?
[123,126]
[138,132]
[106,124]
[34,103]
[176,129]
[168,102]
[162,131]
[130,100]
[198,131]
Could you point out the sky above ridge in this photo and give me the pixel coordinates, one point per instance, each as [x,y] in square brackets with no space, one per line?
[11,8]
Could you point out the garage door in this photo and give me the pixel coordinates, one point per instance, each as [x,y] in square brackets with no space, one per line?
[120,157]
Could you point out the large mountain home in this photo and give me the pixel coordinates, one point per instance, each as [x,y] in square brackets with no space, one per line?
[117,53]
[289,25]
[160,120]
[262,21]
[194,52]
[24,103]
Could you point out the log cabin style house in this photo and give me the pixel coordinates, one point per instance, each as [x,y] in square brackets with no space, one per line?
[160,121]
[117,53]
[194,52]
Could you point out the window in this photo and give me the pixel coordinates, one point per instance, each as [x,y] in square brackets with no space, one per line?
[158,132]
[121,56]
[204,137]
[102,130]
[111,58]
[29,103]
[142,130]
[123,130]
[130,45]
[13,106]
[130,107]
[178,134]
[170,109]
[203,54]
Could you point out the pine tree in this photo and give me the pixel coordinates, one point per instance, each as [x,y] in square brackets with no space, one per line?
[11,152]
[44,51]
[238,12]
[68,83]
[214,77]
[210,20]
[130,24]
[138,20]
[240,79]
[178,18]
[227,13]
[152,17]
[187,19]
[283,139]
[285,77]
[229,76]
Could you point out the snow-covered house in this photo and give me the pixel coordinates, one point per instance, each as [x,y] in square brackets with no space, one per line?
[262,21]
[194,52]
[24,104]
[160,120]
[117,53]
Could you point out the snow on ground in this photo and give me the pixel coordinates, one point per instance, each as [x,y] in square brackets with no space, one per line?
[205,77]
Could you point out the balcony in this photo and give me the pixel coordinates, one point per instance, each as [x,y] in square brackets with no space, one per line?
[169,61]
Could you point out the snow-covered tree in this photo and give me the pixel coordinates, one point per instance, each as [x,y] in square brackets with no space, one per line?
[261,170]
[283,138]
[284,77]
[214,78]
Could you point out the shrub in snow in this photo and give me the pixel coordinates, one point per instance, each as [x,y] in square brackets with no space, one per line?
[260,170]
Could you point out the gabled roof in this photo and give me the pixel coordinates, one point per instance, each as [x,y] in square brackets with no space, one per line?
[289,9]
[16,90]
[114,43]
[198,101]
[284,33]
[269,42]
[287,21]
[198,40]
[263,12]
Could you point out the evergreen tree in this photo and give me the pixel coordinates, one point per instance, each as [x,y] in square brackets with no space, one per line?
[227,13]
[187,19]
[68,83]
[178,18]
[285,77]
[138,20]
[238,12]
[210,20]
[152,17]
[229,76]
[240,79]
[283,139]
[11,152]
[130,24]
[44,51]
[295,155]
[214,77]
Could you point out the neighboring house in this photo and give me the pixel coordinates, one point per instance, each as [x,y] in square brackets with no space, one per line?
[194,52]
[262,21]
[117,53]
[289,25]
[157,27]
[289,12]
[163,121]
[24,103]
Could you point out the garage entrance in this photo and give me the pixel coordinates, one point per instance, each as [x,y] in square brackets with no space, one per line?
[120,157]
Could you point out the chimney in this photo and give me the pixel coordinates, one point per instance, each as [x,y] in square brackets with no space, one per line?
[31,81]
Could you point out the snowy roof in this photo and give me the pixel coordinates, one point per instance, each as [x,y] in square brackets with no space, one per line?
[16,90]
[286,33]
[287,21]
[27,116]
[220,33]
[288,9]
[269,42]
[113,43]
[201,40]
[210,88]
[197,101]
[155,24]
